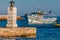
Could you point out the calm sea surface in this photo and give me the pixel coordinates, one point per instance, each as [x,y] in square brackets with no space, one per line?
[44,31]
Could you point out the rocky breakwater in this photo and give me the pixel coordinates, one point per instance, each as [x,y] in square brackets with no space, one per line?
[4,17]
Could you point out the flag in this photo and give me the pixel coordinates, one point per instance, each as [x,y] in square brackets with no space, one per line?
[50,11]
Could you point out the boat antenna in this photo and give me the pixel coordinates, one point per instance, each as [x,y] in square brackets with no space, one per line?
[38,10]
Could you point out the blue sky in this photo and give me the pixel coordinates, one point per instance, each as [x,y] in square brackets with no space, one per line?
[28,6]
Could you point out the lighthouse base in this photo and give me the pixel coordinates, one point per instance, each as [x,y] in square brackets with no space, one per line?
[10,25]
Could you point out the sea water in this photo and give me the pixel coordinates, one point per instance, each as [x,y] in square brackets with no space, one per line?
[43,32]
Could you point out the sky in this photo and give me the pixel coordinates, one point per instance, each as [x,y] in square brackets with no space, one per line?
[28,6]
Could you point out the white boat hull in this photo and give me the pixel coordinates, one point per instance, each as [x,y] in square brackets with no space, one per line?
[33,20]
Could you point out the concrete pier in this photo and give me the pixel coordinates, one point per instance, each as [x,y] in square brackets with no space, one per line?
[28,32]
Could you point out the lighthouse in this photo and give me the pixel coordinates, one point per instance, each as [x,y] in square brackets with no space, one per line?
[12,14]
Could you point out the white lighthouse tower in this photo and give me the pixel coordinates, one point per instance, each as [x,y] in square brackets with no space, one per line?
[12,14]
